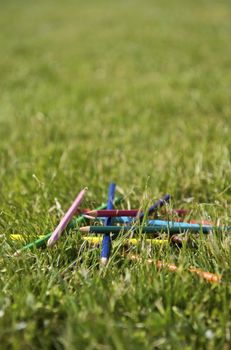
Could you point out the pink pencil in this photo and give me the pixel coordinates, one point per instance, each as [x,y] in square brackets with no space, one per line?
[67,217]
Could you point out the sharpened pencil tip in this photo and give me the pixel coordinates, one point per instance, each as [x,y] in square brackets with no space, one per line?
[50,242]
[88,217]
[90,212]
[84,229]
[104,261]
[16,254]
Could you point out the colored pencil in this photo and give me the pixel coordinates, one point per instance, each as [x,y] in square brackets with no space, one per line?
[184,226]
[123,213]
[113,213]
[155,206]
[133,241]
[39,242]
[96,240]
[150,210]
[106,243]
[17,237]
[155,228]
[177,224]
[67,218]
[128,220]
[208,276]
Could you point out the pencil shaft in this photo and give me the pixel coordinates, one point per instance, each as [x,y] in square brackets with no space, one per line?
[184,226]
[177,224]
[171,228]
[106,243]
[208,276]
[66,219]
[72,224]
[114,213]
[128,220]
[134,241]
[111,195]
[19,237]
[156,205]
[150,210]
[126,212]
[122,213]
[172,224]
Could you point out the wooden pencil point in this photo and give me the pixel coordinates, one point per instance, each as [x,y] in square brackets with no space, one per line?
[84,229]
[104,261]
[16,254]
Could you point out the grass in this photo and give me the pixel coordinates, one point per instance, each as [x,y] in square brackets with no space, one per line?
[132,91]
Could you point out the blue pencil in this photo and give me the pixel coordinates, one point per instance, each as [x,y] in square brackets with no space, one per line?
[156,205]
[106,243]
[169,224]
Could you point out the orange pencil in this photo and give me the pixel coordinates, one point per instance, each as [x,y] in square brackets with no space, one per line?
[208,276]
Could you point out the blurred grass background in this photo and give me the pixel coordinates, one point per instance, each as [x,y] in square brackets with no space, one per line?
[132,91]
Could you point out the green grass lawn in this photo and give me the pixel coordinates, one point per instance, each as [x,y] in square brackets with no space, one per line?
[136,92]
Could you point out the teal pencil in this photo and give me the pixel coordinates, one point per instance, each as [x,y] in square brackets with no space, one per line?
[74,222]
[152,229]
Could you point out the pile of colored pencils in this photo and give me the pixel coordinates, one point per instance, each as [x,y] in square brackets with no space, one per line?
[111,223]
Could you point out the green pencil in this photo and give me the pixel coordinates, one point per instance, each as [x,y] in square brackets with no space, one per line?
[74,222]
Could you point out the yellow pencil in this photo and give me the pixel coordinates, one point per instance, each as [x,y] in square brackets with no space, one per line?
[133,241]
[19,237]
[97,240]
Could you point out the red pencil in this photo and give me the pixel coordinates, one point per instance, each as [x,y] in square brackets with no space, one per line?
[126,212]
[113,213]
